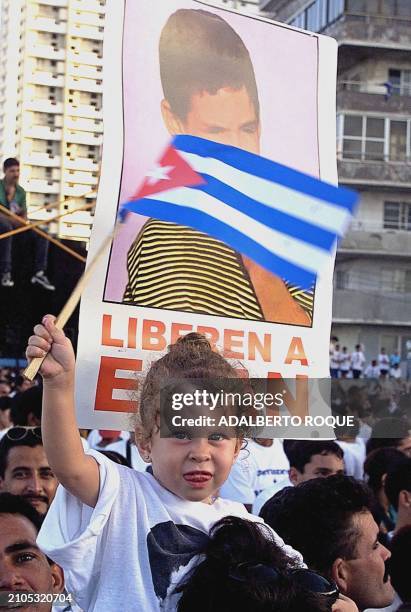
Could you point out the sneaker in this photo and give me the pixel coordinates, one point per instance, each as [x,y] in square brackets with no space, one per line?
[6,280]
[41,279]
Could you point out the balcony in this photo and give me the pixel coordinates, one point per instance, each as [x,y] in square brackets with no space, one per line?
[89,85]
[86,31]
[365,238]
[46,51]
[83,125]
[88,17]
[43,132]
[356,30]
[373,97]
[86,138]
[77,191]
[61,3]
[42,186]
[373,308]
[43,105]
[371,172]
[92,6]
[74,232]
[46,78]
[84,71]
[81,178]
[85,57]
[42,159]
[81,164]
[47,24]
[84,110]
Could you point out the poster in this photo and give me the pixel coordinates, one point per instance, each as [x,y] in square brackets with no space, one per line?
[190,68]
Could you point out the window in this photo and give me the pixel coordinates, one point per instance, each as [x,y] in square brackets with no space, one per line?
[363,137]
[388,8]
[341,279]
[389,342]
[397,215]
[400,81]
[374,138]
[318,14]
[398,140]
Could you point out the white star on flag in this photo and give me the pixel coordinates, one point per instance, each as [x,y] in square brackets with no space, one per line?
[159,173]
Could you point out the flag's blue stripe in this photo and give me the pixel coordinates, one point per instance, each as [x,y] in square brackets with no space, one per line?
[237,240]
[271,217]
[267,169]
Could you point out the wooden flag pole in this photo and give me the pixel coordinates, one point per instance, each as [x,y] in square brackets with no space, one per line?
[34,224]
[31,371]
[45,235]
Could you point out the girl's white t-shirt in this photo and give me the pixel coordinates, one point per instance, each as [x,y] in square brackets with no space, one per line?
[134,547]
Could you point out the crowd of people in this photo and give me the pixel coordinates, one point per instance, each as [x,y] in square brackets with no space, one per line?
[142,522]
[346,364]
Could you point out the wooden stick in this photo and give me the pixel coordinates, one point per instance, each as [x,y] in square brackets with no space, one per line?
[32,225]
[62,246]
[65,201]
[31,371]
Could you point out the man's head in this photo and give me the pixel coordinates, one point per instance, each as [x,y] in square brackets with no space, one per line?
[11,169]
[5,388]
[24,468]
[5,402]
[377,465]
[26,407]
[23,567]
[328,520]
[358,347]
[400,563]
[208,80]
[398,489]
[313,459]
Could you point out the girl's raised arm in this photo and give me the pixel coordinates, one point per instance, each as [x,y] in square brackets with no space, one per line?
[76,471]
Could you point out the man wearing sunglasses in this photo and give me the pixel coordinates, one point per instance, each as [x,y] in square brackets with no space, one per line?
[329,521]
[24,468]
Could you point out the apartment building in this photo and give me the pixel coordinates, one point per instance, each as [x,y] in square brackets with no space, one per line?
[249,6]
[51,105]
[372,291]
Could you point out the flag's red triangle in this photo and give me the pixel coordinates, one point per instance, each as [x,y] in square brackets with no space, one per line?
[170,172]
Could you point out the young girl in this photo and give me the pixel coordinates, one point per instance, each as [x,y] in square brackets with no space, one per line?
[125,539]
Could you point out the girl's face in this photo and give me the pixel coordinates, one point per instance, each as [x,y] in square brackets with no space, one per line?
[192,468]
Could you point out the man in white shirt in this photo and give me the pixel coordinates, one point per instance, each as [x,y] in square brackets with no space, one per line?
[372,370]
[345,362]
[395,371]
[259,465]
[357,361]
[335,362]
[308,459]
[383,362]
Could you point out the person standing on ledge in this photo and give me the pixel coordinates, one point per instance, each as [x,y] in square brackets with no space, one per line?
[13,197]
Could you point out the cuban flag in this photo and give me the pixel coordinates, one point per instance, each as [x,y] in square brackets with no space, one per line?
[286,221]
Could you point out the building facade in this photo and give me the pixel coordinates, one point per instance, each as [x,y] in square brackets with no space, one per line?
[51,105]
[372,281]
[249,6]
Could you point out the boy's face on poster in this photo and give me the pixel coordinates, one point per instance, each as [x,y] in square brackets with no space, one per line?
[227,116]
